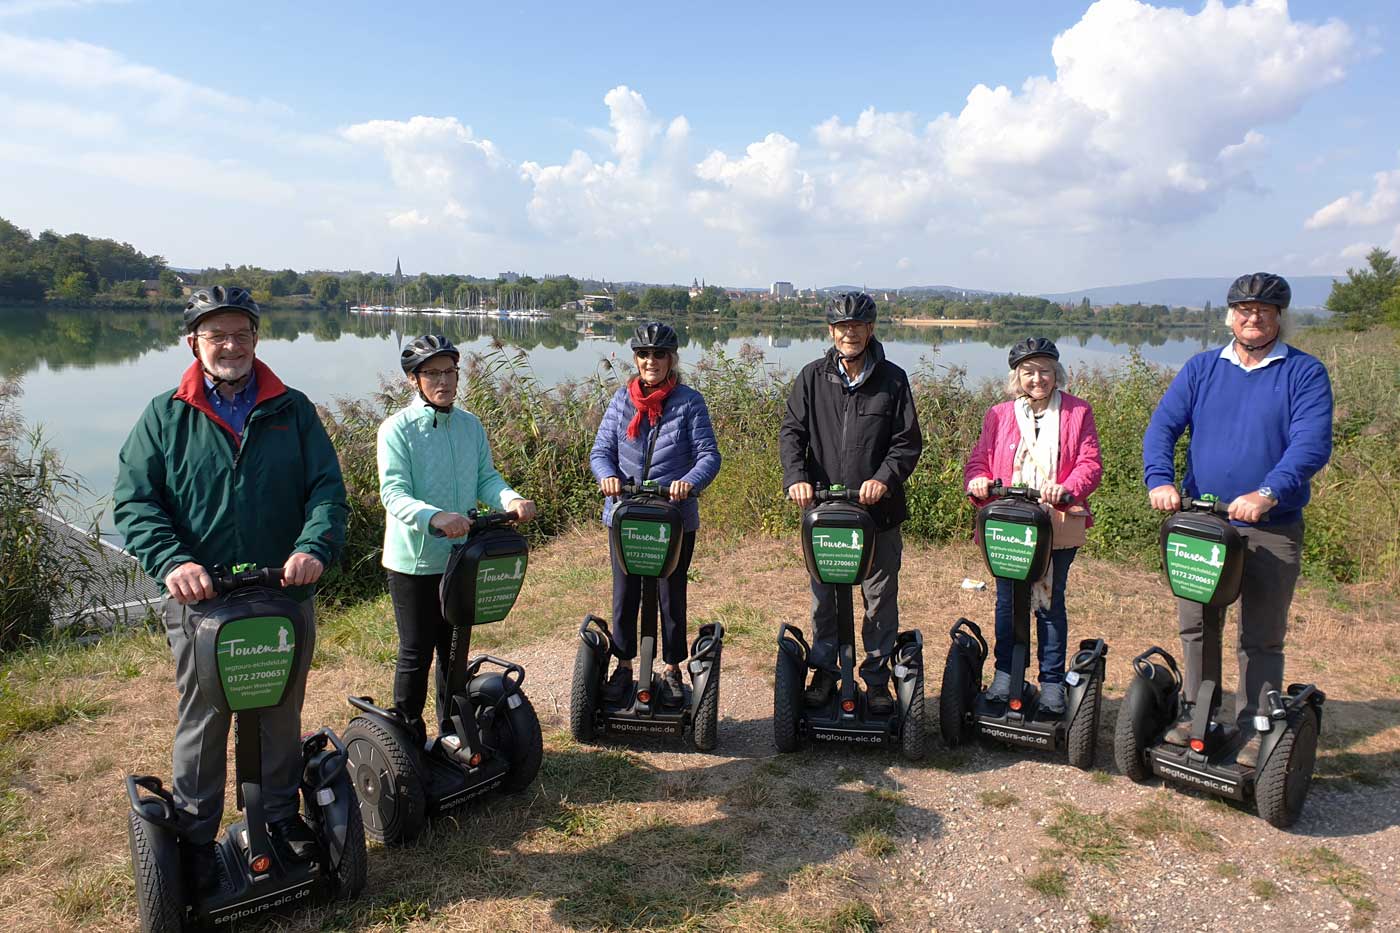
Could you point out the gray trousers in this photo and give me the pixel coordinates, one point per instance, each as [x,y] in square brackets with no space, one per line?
[201,735]
[1273,556]
[880,592]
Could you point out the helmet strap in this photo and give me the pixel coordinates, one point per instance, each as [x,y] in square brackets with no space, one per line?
[437,409]
[1255,348]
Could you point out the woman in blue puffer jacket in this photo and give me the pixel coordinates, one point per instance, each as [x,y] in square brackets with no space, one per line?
[655,428]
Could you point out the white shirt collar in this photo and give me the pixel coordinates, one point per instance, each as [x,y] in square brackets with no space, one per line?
[1279,351]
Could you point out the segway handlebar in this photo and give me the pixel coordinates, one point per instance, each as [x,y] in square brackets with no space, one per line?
[1000,491]
[480,522]
[1213,506]
[631,488]
[226,581]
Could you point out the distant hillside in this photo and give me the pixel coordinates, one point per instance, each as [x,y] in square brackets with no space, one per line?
[913,291]
[1309,291]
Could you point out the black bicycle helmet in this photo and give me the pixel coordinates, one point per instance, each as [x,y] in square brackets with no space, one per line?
[206,301]
[1263,287]
[1031,347]
[851,306]
[421,349]
[653,335]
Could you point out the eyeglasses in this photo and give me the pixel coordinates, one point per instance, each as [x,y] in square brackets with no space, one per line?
[652,354]
[242,338]
[849,327]
[439,375]
[1263,312]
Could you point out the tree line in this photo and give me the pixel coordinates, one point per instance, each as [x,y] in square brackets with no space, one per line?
[1370,295]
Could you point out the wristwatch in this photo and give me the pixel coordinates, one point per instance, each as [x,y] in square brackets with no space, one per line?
[1267,492]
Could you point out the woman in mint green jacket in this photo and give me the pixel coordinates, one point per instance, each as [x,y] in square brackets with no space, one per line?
[434,467]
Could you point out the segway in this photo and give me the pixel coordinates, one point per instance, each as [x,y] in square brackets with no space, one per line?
[1203,555]
[646,535]
[247,648]
[493,740]
[1016,544]
[838,543]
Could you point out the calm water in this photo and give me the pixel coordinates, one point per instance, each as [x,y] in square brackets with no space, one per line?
[87,374]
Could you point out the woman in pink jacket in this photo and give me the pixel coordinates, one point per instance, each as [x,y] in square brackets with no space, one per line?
[1043,438]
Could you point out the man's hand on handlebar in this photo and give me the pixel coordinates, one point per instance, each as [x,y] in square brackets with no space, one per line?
[1165,498]
[680,489]
[451,524]
[612,486]
[301,569]
[872,491]
[801,493]
[1251,507]
[189,583]
[979,487]
[522,509]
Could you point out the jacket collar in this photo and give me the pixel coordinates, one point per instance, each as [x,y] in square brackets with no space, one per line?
[191,391]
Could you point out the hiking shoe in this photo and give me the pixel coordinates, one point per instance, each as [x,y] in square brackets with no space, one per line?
[1052,699]
[1000,690]
[618,684]
[1248,755]
[205,868]
[1180,732]
[672,693]
[294,837]
[878,699]
[819,692]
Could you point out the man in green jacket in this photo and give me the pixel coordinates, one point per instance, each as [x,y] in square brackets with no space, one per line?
[232,467]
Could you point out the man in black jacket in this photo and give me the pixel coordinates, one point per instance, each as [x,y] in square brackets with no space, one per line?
[850,420]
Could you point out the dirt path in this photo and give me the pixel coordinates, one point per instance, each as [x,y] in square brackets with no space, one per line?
[652,836]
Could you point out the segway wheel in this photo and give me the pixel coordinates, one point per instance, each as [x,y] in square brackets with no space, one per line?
[350,876]
[787,695]
[1138,721]
[524,746]
[158,896]
[393,807]
[1283,784]
[1083,737]
[911,728]
[583,697]
[705,731]
[956,700]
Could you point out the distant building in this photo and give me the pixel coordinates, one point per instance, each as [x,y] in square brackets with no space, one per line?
[510,277]
[398,273]
[696,287]
[781,290]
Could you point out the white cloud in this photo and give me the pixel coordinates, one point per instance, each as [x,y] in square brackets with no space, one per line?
[766,189]
[1381,206]
[23,116]
[903,264]
[30,7]
[407,220]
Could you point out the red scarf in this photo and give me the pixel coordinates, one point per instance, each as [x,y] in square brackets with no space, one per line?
[649,404]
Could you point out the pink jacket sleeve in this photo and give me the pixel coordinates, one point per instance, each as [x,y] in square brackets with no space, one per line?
[1087,472]
[979,462]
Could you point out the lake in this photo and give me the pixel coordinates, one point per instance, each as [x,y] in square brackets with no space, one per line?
[88,373]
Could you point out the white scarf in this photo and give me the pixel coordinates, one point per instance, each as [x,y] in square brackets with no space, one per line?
[1037,462]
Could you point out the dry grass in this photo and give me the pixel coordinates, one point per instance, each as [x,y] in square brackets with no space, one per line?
[653,837]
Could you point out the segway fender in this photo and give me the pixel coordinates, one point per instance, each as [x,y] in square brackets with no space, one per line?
[793,645]
[705,654]
[1086,667]
[327,787]
[595,635]
[161,831]
[908,657]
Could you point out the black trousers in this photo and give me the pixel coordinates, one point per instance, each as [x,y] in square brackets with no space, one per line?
[627,602]
[422,632]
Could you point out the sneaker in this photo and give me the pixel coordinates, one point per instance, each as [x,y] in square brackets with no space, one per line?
[672,693]
[878,700]
[294,837]
[204,866]
[618,684]
[1180,732]
[1248,755]
[1000,690]
[819,692]
[1052,699]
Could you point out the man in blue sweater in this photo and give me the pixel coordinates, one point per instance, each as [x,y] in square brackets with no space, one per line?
[1260,416]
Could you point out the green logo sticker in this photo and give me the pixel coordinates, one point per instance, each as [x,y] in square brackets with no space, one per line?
[498,582]
[1194,566]
[1010,548]
[255,659]
[837,553]
[645,546]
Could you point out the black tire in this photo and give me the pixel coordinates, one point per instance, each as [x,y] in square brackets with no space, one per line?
[1139,719]
[583,697]
[1283,784]
[705,731]
[787,698]
[393,806]
[1083,737]
[955,702]
[523,745]
[158,897]
[349,879]
[913,728]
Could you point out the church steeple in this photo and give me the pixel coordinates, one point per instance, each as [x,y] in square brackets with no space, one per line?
[398,271]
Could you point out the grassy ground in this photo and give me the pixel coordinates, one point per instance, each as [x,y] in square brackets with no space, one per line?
[655,837]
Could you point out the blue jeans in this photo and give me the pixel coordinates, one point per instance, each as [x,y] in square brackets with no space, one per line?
[1051,625]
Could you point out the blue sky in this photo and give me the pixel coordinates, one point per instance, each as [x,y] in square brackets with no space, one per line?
[1047,146]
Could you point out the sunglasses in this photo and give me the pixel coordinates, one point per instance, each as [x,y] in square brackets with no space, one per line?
[652,354]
